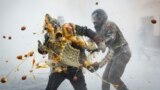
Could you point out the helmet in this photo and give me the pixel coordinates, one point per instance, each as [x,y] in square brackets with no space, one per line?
[99,16]
[61,20]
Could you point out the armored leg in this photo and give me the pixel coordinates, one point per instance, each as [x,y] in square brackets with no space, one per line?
[55,79]
[105,85]
[117,69]
[79,83]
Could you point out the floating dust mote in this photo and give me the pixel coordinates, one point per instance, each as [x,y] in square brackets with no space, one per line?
[24,77]
[41,65]
[34,77]
[43,31]
[20,57]
[23,28]
[25,55]
[96,3]
[38,33]
[17,69]
[33,62]
[30,71]
[4,80]
[6,61]
[4,37]
[75,78]
[153,21]
[34,33]
[58,69]
[43,56]
[30,53]
[9,37]
[149,81]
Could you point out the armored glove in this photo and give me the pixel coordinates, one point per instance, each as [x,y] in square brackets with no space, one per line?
[94,67]
[41,48]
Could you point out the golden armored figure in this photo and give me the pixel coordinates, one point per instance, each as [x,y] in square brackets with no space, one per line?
[66,51]
[59,45]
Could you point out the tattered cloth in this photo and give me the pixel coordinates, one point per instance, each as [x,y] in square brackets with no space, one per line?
[70,56]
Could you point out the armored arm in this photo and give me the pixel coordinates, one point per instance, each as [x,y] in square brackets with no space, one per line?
[110,36]
[42,48]
[110,33]
[84,31]
[80,30]
[50,26]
